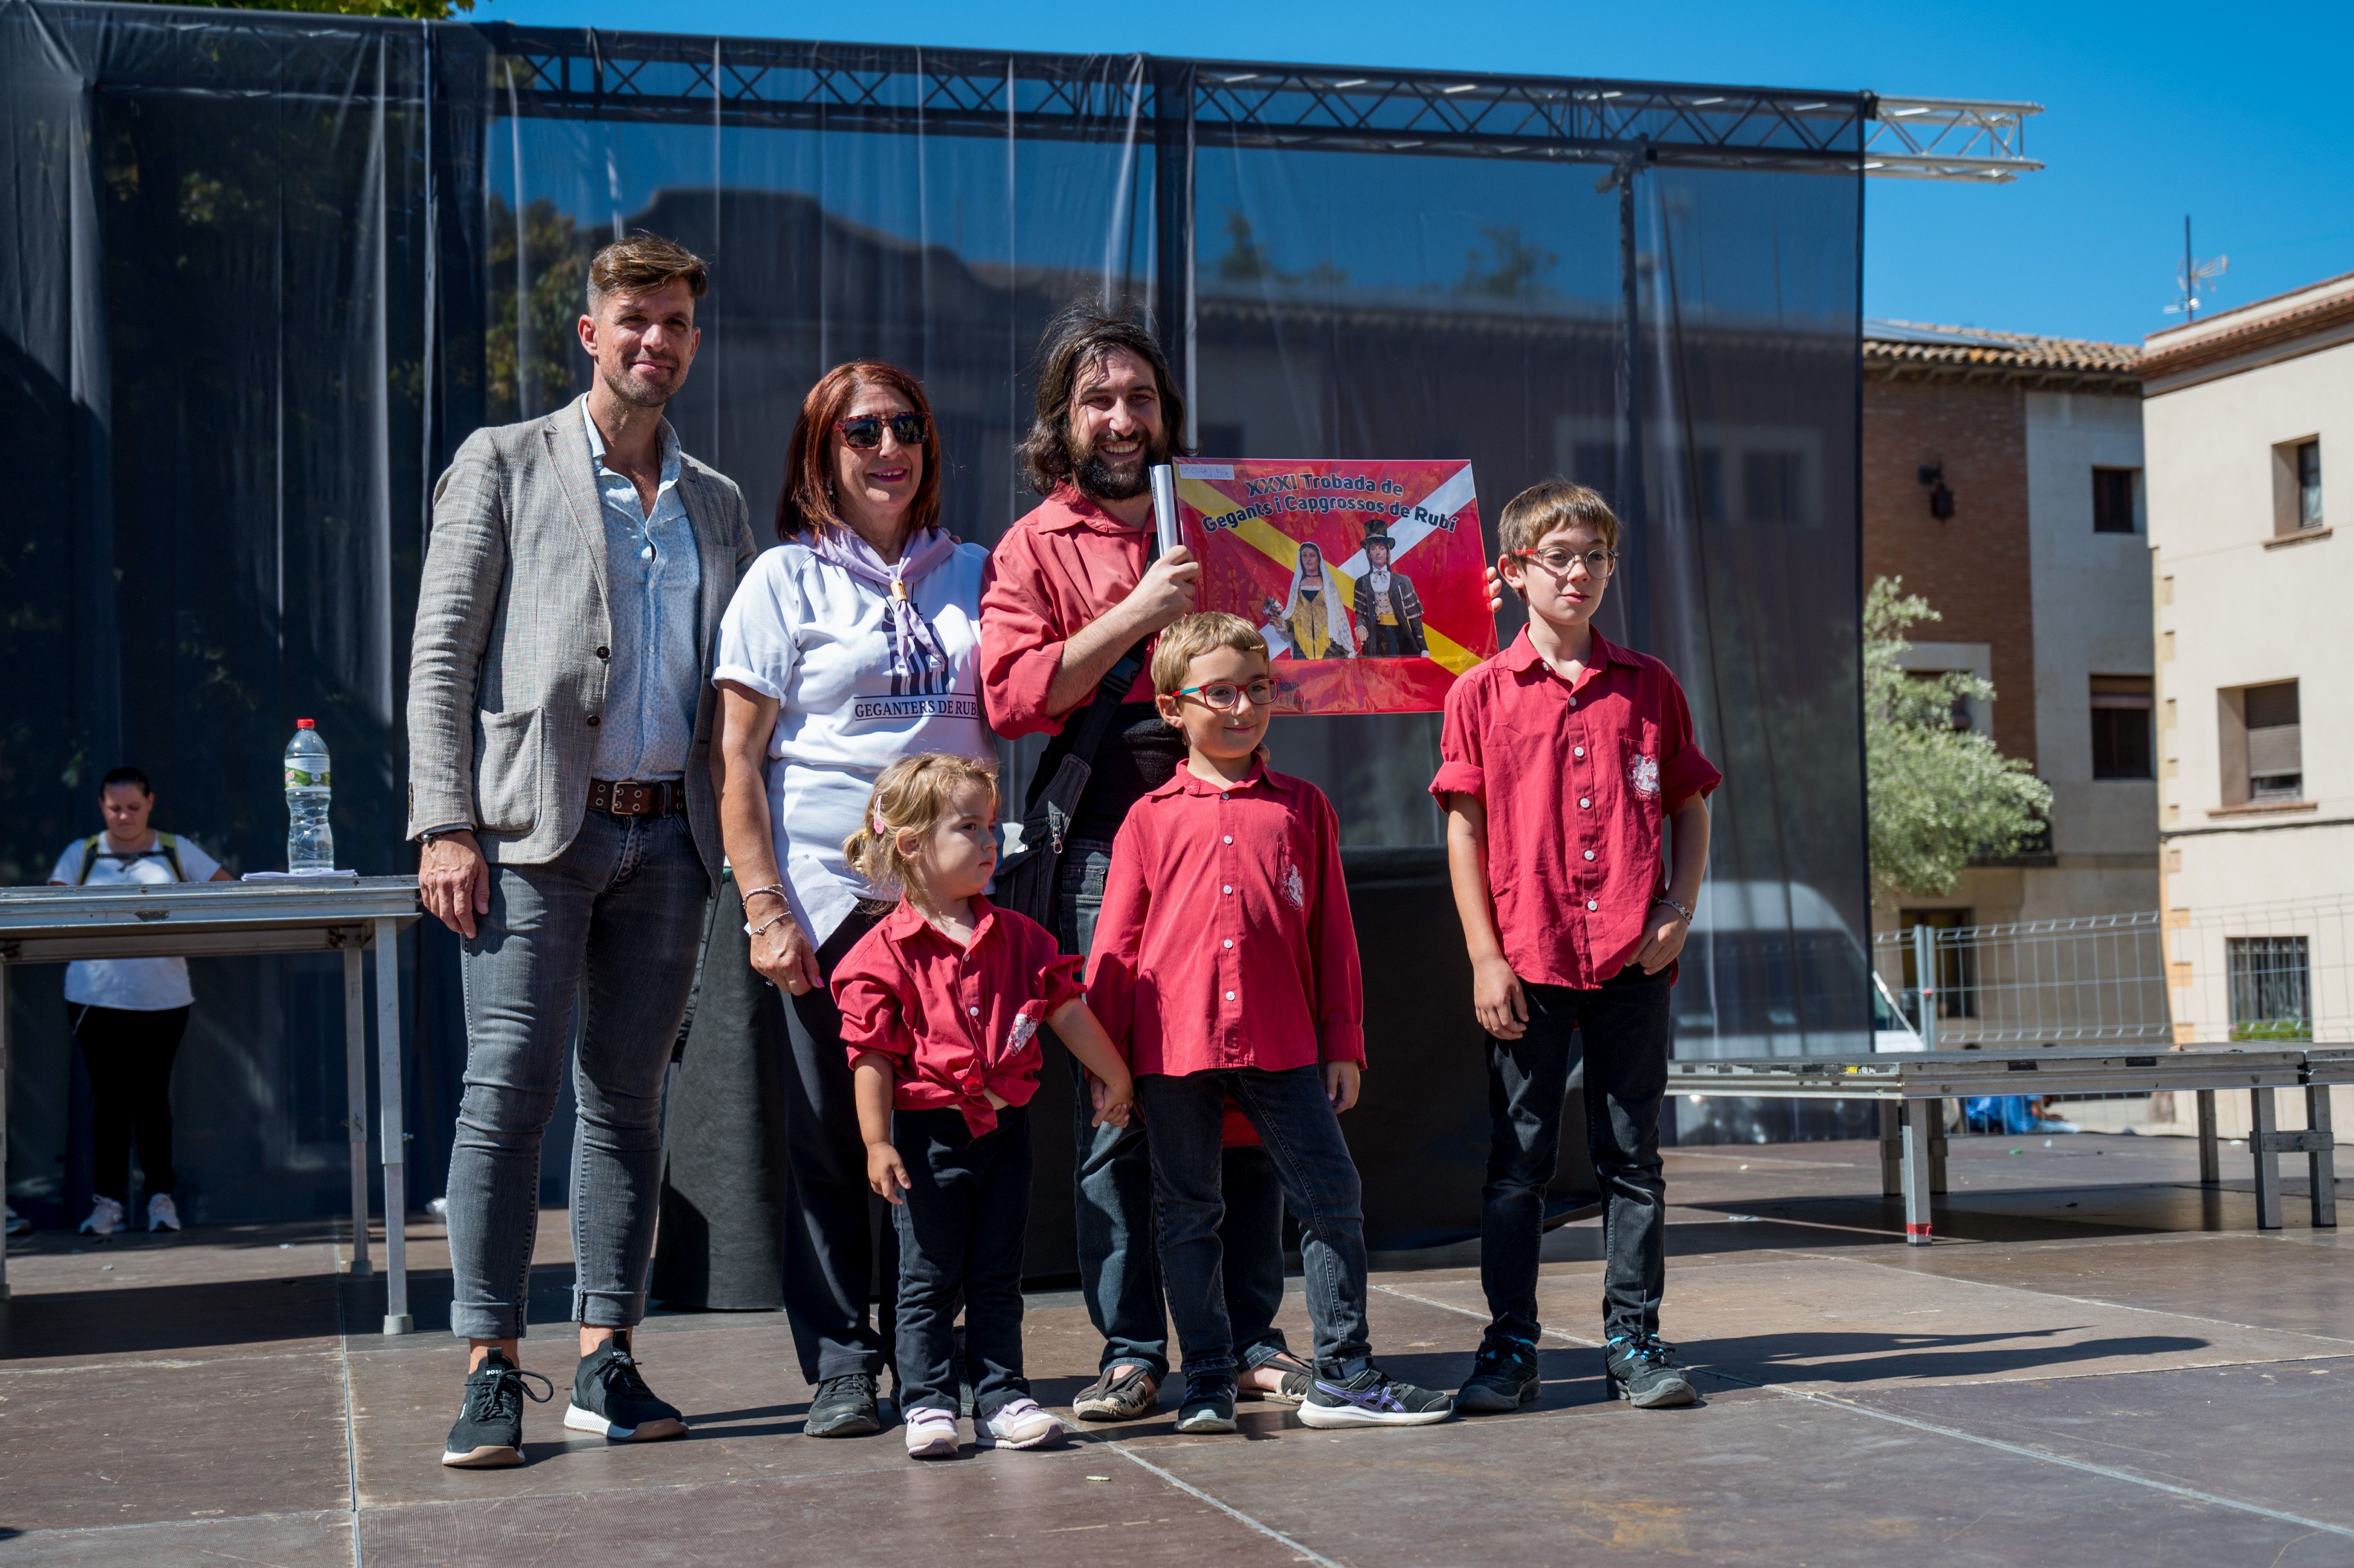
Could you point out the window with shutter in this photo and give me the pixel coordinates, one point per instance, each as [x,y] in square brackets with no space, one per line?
[2276,742]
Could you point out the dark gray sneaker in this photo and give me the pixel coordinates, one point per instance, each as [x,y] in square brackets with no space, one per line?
[1641,1370]
[609,1397]
[489,1433]
[1208,1406]
[1372,1398]
[843,1407]
[1503,1377]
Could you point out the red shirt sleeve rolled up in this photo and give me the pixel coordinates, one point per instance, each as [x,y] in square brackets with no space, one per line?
[960,1023]
[1057,568]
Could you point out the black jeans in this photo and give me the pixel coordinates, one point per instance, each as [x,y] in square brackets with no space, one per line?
[1111,1172]
[960,1229]
[129,1055]
[837,1243]
[1303,1142]
[1252,1240]
[1621,1028]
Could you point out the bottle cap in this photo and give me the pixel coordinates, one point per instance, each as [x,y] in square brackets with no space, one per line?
[305,723]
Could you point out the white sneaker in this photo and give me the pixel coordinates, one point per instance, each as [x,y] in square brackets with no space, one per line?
[1019,1424]
[105,1218]
[163,1214]
[931,1434]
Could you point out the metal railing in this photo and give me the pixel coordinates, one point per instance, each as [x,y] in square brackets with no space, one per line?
[2093,980]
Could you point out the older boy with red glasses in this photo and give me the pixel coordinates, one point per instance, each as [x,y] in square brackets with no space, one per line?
[1560,760]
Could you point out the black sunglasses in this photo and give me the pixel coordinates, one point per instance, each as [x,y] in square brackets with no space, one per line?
[864,432]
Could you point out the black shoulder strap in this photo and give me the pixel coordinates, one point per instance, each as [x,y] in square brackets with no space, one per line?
[1111,692]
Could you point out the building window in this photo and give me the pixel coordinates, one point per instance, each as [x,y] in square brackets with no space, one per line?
[2296,485]
[2271,988]
[1771,486]
[2262,746]
[2121,727]
[2113,500]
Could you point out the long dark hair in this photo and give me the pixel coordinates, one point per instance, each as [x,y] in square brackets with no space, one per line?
[807,503]
[1078,337]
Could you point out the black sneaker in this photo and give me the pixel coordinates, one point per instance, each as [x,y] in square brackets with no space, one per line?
[843,1407]
[1503,1377]
[1208,1406]
[611,1397]
[489,1433]
[1641,1371]
[1372,1398]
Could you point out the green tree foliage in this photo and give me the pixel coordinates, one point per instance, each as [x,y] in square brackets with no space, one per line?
[533,349]
[1512,270]
[430,10]
[1941,795]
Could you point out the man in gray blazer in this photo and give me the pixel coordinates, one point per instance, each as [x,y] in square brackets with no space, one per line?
[559,729]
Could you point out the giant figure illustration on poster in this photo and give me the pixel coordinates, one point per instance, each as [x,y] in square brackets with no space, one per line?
[1387,611]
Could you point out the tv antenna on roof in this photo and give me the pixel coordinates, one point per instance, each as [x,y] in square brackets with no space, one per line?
[2195,277]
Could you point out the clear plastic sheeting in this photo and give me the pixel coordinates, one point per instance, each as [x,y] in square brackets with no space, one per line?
[265,271]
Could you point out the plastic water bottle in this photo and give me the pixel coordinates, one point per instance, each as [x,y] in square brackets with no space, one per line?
[310,842]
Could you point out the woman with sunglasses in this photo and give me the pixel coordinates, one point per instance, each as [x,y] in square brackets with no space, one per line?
[852,646]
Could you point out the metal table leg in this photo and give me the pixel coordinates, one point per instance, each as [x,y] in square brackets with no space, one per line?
[1917,1116]
[355,1096]
[2321,1156]
[2263,1125]
[2210,1149]
[1935,1112]
[397,1319]
[1892,1149]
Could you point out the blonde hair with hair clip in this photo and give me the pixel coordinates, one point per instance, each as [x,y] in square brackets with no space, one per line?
[913,796]
[1190,635]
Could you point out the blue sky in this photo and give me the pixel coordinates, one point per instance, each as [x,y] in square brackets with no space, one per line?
[2152,110]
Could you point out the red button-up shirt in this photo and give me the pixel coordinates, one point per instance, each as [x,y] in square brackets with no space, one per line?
[960,1021]
[1577,780]
[1224,939]
[1055,570]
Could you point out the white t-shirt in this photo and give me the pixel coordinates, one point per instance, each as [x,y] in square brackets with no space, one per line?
[816,638]
[136,985]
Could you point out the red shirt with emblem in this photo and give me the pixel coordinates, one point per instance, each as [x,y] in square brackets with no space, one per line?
[960,1021]
[1056,569]
[1577,781]
[1224,939]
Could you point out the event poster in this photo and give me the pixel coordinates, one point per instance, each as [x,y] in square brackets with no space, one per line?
[1367,578]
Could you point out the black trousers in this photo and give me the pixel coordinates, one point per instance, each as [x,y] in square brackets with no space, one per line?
[960,1231]
[838,1244]
[1621,1028]
[129,1055]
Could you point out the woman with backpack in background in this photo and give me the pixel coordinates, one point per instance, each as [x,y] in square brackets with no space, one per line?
[129,1014]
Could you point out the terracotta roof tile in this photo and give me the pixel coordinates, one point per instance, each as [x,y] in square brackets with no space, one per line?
[1895,345]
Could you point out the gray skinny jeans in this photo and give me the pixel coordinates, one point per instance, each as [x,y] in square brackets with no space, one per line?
[612,922]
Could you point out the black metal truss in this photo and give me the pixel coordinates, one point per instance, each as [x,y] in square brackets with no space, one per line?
[639,75]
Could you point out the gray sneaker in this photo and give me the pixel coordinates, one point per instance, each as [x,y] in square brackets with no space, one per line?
[1209,1405]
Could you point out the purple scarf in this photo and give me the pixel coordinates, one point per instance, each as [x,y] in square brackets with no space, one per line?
[916,648]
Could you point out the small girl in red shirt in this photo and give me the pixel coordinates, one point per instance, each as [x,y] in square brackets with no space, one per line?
[941,1004]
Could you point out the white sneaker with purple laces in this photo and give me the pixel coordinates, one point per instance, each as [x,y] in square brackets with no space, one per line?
[931,1433]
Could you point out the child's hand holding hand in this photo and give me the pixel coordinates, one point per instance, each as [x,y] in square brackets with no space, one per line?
[885,1172]
[1115,1103]
[1496,998]
[1340,1085]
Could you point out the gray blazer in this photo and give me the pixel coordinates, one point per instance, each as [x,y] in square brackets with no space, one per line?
[510,661]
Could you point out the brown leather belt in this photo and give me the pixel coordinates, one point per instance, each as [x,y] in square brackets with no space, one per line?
[627,798]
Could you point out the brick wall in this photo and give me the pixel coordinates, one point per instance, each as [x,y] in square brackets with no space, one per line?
[1975,567]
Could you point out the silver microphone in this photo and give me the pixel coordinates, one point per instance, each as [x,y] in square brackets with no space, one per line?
[1164,507]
